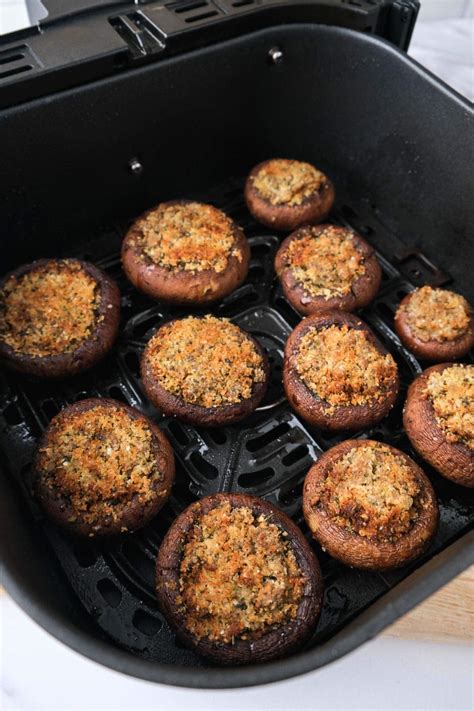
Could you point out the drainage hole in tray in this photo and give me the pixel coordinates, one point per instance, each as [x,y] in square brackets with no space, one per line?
[146,623]
[110,592]
[254,478]
[299,452]
[257,443]
[203,466]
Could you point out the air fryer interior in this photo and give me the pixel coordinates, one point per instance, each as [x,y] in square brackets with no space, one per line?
[396,144]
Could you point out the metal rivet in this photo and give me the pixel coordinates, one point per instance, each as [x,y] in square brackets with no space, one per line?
[135,166]
[275,55]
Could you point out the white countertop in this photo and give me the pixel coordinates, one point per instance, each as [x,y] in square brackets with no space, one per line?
[40,673]
[37,672]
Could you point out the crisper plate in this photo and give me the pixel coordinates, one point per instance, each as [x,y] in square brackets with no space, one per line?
[267,455]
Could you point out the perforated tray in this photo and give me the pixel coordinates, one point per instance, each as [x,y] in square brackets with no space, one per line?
[267,455]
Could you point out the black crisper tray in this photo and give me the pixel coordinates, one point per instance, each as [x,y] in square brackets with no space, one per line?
[267,455]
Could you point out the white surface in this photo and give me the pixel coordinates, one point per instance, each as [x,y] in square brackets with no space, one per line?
[37,672]
[446,48]
[40,673]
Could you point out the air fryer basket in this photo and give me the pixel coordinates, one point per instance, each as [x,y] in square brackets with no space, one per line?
[395,142]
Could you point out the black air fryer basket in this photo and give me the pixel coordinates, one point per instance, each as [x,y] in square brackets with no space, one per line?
[114,107]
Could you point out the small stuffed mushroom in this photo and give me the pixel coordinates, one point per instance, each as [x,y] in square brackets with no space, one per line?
[58,317]
[205,371]
[237,580]
[435,324]
[286,194]
[369,505]
[336,373]
[439,420]
[185,252]
[102,468]
[327,267]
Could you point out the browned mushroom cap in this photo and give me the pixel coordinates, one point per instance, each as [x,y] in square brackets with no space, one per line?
[336,374]
[435,324]
[369,505]
[439,420]
[102,468]
[327,267]
[285,194]
[58,317]
[237,580]
[185,252]
[205,371]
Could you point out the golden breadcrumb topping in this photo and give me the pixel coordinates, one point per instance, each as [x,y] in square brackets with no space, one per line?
[437,314]
[188,237]
[238,576]
[49,310]
[342,367]
[205,361]
[100,460]
[326,261]
[371,492]
[451,392]
[287,182]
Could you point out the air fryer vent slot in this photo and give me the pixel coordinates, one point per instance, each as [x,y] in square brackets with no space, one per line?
[194,11]
[17,60]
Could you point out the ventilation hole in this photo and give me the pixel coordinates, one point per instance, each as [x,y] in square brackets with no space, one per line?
[12,58]
[256,443]
[254,478]
[177,431]
[242,3]
[402,293]
[203,466]
[295,455]
[18,70]
[117,394]
[139,561]
[109,592]
[218,436]
[348,212]
[384,311]
[132,361]
[12,415]
[260,250]
[189,8]
[142,328]
[50,408]
[256,271]
[146,623]
[203,16]
[85,555]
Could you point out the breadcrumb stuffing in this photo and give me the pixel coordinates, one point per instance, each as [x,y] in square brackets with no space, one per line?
[325,261]
[238,576]
[49,310]
[437,314]
[100,460]
[205,361]
[451,392]
[342,367]
[371,492]
[287,182]
[188,237]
